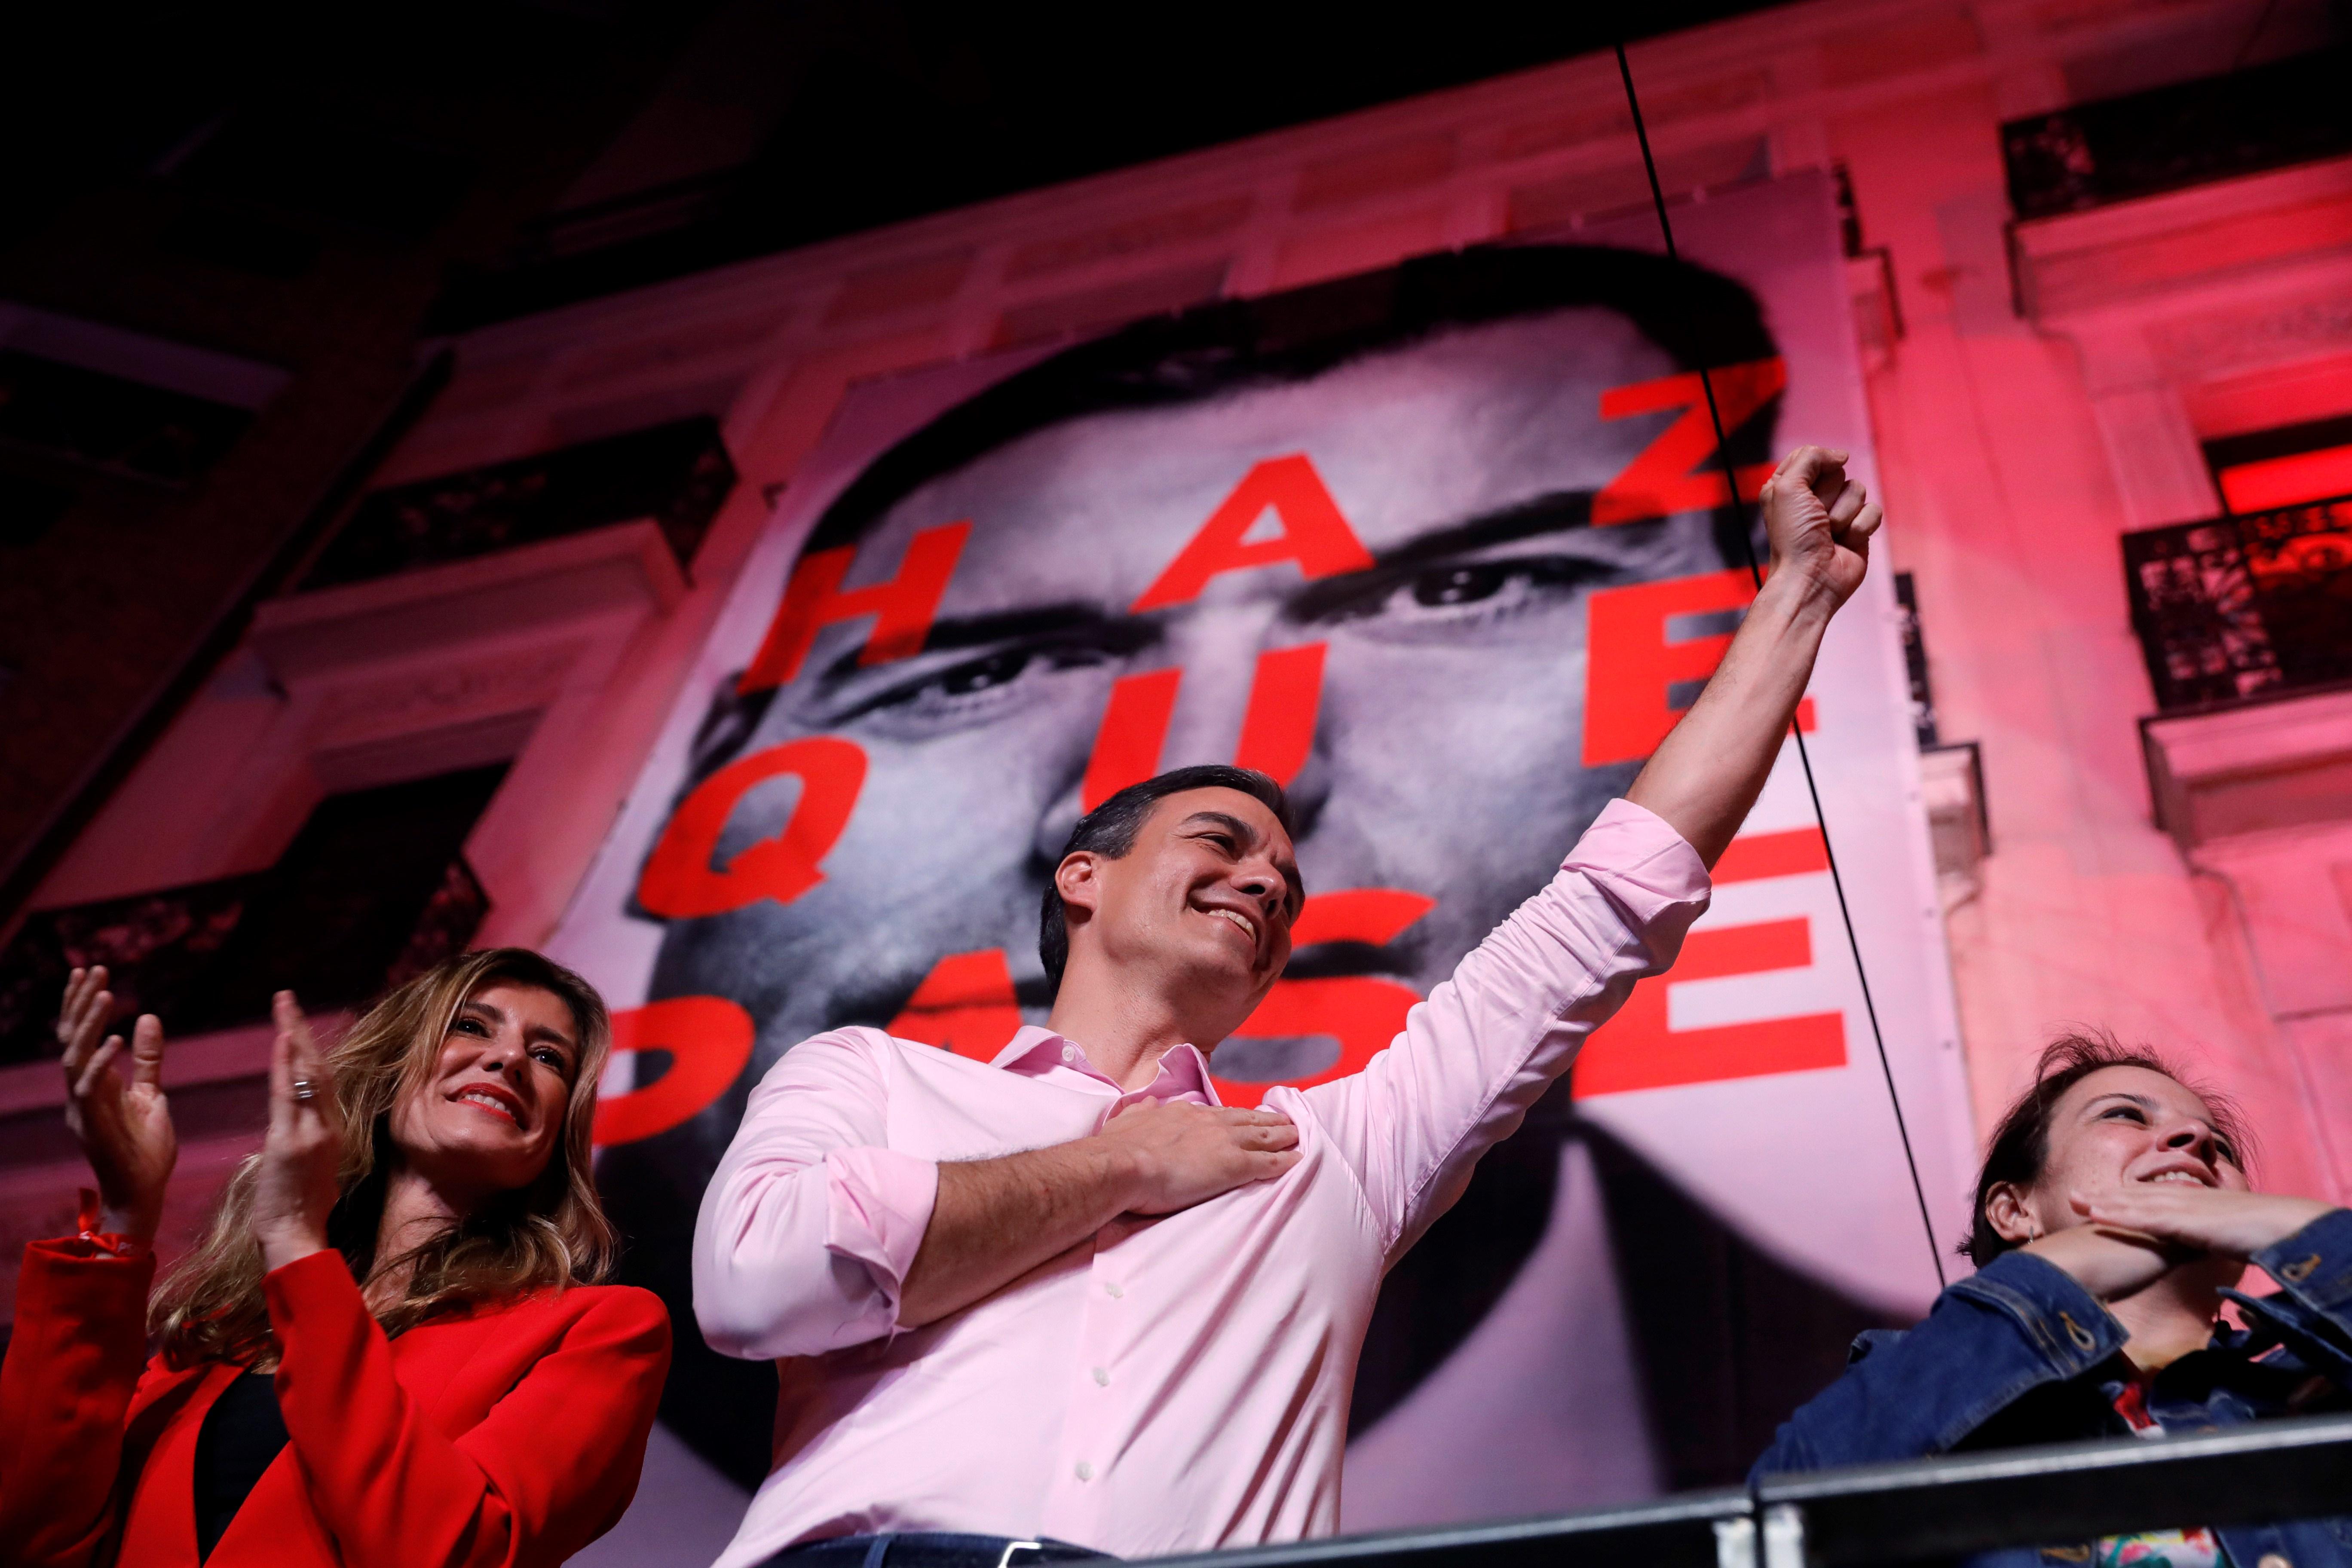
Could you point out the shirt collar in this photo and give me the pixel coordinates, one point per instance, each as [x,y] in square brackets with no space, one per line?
[1040,1053]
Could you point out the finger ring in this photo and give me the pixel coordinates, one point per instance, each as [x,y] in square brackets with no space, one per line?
[305,1089]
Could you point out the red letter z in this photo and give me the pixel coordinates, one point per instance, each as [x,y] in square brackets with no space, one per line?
[1665,479]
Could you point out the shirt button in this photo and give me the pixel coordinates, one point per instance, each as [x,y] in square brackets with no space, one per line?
[1112,1289]
[1069,1053]
[1086,1473]
[2273,1560]
[1102,1377]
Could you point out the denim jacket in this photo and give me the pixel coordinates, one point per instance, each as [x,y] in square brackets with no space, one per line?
[2020,1353]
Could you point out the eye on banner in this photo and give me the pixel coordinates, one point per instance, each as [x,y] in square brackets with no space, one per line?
[1449,562]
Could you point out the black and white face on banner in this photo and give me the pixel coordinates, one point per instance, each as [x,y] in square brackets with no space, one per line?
[1425,558]
[1445,550]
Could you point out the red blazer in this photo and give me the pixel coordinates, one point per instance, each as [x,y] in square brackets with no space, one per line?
[509,1435]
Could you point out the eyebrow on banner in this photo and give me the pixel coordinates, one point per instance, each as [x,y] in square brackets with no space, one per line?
[1557,512]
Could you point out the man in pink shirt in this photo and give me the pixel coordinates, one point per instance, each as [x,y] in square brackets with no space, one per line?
[1065,1296]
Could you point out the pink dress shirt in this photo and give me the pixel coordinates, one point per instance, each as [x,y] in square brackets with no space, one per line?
[1178,1383]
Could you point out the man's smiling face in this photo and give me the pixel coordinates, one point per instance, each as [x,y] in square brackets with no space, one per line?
[1200,907]
[1445,759]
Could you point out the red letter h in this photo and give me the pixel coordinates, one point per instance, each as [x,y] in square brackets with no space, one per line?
[902,607]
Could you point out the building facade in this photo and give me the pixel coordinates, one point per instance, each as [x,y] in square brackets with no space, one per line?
[2109,364]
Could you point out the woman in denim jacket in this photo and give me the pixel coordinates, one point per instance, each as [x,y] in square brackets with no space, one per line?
[2113,1217]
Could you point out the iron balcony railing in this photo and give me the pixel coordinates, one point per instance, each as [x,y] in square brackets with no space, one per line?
[2252,606]
[677,474]
[1920,1511]
[189,953]
[2167,138]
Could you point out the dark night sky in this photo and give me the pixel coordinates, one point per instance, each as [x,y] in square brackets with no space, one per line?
[897,108]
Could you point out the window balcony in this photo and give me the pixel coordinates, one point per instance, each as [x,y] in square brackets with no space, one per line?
[675,475]
[2252,606]
[2191,133]
[372,891]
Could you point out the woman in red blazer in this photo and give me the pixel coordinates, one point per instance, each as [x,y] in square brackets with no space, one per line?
[389,1350]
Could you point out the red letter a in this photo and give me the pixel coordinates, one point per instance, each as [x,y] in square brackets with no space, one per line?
[965,1005]
[1313,533]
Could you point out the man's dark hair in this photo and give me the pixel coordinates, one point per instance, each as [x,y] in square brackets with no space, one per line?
[1109,830]
[1701,319]
[2020,1145]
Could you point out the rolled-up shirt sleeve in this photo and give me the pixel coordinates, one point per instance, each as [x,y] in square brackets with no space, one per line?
[808,1229]
[1489,1041]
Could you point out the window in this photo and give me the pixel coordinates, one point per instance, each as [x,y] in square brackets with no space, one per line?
[373,888]
[108,422]
[678,474]
[102,397]
[27,507]
[2286,467]
[332,918]
[2215,128]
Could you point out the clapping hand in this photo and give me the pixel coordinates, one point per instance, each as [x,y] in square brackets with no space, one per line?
[124,1129]
[301,1156]
[1818,521]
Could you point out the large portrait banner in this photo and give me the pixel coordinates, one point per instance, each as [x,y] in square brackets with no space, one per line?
[1446,549]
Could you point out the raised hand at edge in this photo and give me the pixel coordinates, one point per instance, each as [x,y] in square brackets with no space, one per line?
[124,1129]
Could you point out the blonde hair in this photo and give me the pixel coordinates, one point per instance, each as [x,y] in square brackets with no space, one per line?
[545,1237]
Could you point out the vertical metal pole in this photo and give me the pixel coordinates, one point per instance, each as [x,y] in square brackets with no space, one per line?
[1784,1536]
[1804,756]
[1735,1543]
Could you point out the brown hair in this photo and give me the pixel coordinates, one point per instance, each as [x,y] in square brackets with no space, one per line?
[2020,1145]
[545,1237]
